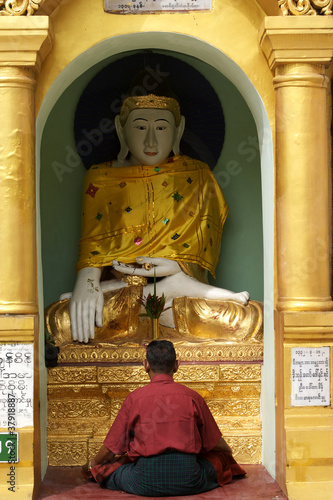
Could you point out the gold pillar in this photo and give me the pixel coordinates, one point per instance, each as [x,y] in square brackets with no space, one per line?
[18,290]
[303,188]
[24,42]
[298,50]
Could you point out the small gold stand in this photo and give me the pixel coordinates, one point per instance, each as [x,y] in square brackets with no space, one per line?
[155,322]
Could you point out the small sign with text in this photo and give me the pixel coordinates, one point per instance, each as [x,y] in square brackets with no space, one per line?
[310,376]
[146,6]
[16,385]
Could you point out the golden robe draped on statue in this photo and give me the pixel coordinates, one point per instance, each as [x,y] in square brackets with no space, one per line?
[175,210]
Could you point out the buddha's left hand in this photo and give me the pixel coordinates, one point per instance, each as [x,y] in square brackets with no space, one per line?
[150,266]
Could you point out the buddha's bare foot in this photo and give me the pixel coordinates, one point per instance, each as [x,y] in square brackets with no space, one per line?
[216,293]
[241,297]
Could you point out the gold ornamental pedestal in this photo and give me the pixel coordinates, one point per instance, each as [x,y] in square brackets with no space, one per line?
[90,383]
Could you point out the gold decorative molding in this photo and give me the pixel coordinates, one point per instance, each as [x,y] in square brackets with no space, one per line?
[106,353]
[308,327]
[79,409]
[246,449]
[297,39]
[232,391]
[244,407]
[25,43]
[72,375]
[198,373]
[18,327]
[83,430]
[116,404]
[67,452]
[205,389]
[121,389]
[306,7]
[239,373]
[186,373]
[236,423]
[19,7]
[314,80]
[114,374]
[94,447]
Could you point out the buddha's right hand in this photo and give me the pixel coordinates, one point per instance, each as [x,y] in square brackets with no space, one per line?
[150,267]
[86,304]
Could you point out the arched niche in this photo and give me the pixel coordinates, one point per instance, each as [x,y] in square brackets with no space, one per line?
[244,171]
[237,171]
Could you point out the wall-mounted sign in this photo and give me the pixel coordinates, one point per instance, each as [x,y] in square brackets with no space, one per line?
[310,376]
[16,386]
[146,6]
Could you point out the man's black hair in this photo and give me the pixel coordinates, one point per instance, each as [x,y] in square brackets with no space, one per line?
[161,356]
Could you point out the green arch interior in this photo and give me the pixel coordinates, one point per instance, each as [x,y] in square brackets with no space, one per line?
[238,173]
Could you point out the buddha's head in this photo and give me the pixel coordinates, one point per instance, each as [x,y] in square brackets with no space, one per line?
[149,128]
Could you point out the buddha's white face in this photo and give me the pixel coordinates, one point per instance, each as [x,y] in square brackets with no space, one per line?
[150,135]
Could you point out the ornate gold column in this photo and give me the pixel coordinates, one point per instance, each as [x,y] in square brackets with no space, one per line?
[24,42]
[298,50]
[303,188]
[18,290]
[298,53]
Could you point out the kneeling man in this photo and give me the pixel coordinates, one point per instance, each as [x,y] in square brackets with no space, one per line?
[168,441]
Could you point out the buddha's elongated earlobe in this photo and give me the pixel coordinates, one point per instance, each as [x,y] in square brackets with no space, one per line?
[121,136]
[178,136]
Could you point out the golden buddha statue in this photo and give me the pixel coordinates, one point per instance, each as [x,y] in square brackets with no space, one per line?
[152,212]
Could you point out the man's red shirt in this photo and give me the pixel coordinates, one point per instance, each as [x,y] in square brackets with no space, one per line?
[162,416]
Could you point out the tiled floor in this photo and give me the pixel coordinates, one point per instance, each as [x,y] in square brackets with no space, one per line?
[66,483]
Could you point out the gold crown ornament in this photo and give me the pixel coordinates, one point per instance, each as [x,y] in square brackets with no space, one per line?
[150,101]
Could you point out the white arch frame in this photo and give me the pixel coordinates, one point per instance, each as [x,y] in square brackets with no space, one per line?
[213,56]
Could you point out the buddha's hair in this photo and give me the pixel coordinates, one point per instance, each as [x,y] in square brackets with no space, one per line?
[161,356]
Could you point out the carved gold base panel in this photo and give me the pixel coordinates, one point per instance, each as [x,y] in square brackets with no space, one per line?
[129,353]
[86,394]
[91,382]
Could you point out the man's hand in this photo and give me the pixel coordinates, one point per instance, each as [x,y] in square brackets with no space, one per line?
[149,267]
[104,455]
[86,304]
